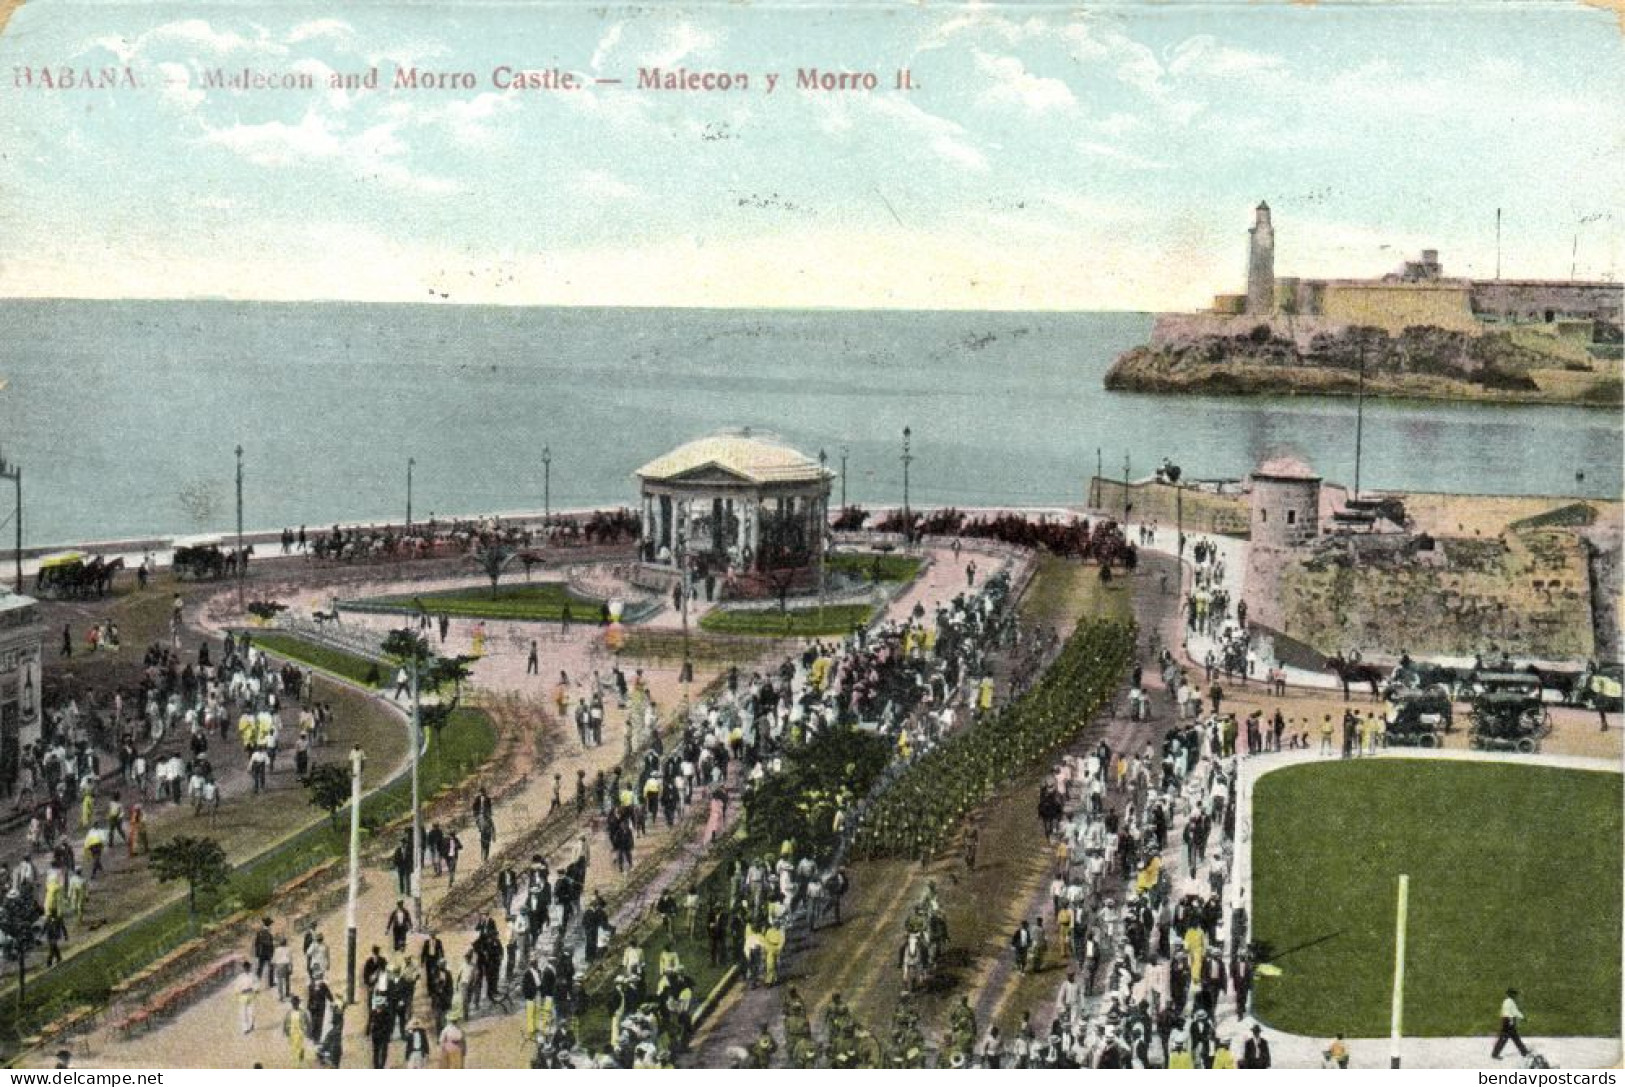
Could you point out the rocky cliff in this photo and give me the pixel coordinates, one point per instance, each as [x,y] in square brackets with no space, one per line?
[1427,362]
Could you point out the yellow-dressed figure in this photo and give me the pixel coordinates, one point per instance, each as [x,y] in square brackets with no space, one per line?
[772,947]
[1195,947]
[1149,875]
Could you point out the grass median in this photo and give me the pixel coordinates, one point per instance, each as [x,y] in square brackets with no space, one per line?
[543,601]
[351,666]
[837,619]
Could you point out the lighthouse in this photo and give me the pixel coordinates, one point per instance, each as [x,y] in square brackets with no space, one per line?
[1261,264]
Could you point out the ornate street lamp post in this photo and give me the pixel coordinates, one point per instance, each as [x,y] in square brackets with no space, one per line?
[908,517]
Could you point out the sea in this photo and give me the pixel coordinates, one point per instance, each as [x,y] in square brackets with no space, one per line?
[124,415]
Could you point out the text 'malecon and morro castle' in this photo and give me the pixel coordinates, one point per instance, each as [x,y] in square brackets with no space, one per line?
[1415,332]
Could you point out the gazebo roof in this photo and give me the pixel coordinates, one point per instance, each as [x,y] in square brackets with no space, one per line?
[755,458]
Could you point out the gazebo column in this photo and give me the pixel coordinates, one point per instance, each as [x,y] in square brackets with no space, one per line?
[753,533]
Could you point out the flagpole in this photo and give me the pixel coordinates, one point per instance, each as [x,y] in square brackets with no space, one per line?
[1399,970]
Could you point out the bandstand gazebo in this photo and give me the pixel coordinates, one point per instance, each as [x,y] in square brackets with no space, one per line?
[739,500]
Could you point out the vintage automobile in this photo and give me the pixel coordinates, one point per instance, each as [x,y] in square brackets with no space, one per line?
[1511,681]
[1416,718]
[1509,720]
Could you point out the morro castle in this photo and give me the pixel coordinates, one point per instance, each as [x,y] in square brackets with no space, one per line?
[1582,313]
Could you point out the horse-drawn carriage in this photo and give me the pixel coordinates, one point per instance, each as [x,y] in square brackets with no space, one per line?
[1417,717]
[1509,720]
[1600,688]
[70,574]
[201,557]
[58,572]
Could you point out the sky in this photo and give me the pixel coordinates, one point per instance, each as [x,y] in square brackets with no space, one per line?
[1048,156]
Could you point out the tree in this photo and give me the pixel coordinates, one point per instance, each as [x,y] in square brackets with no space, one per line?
[492,559]
[451,670]
[19,918]
[408,645]
[436,717]
[329,787]
[199,861]
[530,558]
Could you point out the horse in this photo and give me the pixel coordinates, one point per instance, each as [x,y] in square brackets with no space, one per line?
[230,560]
[1351,670]
[104,576]
[322,618]
[913,959]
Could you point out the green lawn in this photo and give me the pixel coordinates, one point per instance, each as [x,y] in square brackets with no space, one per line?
[1514,882]
[836,619]
[875,567]
[543,601]
[349,666]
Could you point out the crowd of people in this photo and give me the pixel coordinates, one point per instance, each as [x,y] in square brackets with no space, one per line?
[729,746]
[81,811]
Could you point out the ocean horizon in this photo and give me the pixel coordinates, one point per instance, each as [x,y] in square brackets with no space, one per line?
[124,414]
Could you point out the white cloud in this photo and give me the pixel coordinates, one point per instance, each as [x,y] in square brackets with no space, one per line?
[373,153]
[679,43]
[1205,55]
[198,34]
[948,139]
[469,120]
[606,45]
[175,86]
[1010,83]
[1121,155]
[984,21]
[320,28]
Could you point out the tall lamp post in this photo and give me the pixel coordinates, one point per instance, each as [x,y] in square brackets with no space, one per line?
[823,532]
[908,518]
[240,563]
[411,462]
[1125,492]
[357,758]
[1179,508]
[843,477]
[1359,421]
[14,472]
[417,806]
[547,485]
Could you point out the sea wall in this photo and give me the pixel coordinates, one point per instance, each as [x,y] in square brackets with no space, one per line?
[1204,511]
[1526,593]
